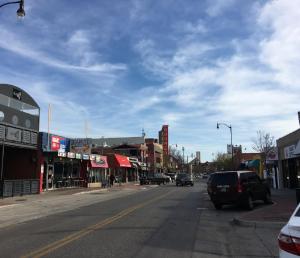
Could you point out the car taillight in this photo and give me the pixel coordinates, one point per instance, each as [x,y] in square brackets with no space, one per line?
[289,244]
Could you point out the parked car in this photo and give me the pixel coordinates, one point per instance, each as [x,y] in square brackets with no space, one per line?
[289,237]
[154,179]
[237,187]
[184,179]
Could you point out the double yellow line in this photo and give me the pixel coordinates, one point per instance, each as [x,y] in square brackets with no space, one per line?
[83,232]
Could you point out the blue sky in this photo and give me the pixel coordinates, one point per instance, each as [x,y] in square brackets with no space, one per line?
[119,66]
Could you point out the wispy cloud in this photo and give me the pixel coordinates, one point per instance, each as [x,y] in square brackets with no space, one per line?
[125,66]
[18,46]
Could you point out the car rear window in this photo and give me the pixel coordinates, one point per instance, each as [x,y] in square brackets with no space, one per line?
[297,214]
[224,179]
[179,176]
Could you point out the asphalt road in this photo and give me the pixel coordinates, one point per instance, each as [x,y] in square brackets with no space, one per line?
[166,221]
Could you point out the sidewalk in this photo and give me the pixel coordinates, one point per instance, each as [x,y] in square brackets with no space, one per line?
[19,209]
[274,215]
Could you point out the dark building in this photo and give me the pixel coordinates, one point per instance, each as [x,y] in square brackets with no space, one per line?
[19,128]
[289,160]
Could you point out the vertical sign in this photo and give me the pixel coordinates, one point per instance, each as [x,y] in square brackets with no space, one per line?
[165,139]
[55,143]
[299,117]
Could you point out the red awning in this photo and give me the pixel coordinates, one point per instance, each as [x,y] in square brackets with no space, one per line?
[122,161]
[102,163]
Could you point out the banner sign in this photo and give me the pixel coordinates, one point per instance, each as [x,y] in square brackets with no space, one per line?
[58,143]
[289,151]
[71,155]
[14,134]
[85,156]
[61,154]
[26,137]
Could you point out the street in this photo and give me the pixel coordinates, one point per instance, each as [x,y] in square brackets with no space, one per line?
[164,221]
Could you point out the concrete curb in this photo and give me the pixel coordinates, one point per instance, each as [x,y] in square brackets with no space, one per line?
[258,224]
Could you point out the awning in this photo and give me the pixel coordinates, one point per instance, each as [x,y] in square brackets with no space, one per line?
[253,163]
[122,161]
[100,163]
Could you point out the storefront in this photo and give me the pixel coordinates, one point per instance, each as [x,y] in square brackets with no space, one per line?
[97,171]
[19,126]
[289,160]
[119,166]
[62,168]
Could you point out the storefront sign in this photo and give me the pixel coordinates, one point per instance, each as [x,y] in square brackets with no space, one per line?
[61,154]
[71,155]
[26,137]
[85,157]
[100,159]
[17,94]
[14,134]
[2,131]
[272,155]
[78,156]
[58,143]
[34,137]
[289,151]
[55,143]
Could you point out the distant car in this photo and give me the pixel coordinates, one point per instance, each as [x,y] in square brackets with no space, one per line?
[237,187]
[204,175]
[184,179]
[154,179]
[289,237]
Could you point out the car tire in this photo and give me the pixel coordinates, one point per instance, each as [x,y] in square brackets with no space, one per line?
[217,205]
[249,203]
[267,198]
[192,184]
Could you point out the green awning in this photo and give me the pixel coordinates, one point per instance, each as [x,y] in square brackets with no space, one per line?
[253,163]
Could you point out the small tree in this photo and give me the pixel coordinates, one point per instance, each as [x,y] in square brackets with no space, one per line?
[264,144]
[176,154]
[223,161]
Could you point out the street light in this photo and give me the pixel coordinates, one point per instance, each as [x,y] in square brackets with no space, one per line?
[183,158]
[20,11]
[230,128]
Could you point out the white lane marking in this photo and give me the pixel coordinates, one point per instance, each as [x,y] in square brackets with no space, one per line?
[93,191]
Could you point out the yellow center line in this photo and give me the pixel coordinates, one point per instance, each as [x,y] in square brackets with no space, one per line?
[75,236]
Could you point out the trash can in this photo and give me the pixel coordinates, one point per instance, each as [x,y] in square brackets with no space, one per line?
[298,195]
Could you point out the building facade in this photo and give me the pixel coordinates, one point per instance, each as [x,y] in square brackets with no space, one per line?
[289,160]
[19,127]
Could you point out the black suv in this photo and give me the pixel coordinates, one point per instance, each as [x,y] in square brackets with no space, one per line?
[237,187]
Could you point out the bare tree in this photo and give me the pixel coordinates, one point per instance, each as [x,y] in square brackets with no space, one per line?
[263,143]
[223,161]
[175,153]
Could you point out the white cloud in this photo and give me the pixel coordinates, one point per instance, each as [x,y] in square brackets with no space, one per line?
[15,44]
[280,50]
[251,83]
